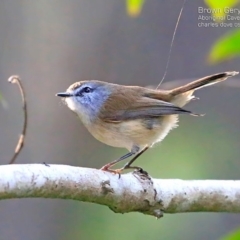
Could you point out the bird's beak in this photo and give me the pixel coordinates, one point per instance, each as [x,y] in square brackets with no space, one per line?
[64,94]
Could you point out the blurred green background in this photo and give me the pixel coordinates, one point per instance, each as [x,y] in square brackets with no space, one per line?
[52,44]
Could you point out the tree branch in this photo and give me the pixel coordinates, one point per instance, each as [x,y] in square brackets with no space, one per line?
[133,192]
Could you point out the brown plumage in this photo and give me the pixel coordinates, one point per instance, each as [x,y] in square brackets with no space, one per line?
[132,117]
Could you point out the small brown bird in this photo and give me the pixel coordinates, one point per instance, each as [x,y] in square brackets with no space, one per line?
[131,117]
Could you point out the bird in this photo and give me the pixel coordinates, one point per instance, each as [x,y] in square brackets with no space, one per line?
[132,117]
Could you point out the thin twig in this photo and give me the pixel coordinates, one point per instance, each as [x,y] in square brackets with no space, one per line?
[171,45]
[20,144]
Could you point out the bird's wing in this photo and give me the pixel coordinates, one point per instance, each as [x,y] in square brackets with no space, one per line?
[137,106]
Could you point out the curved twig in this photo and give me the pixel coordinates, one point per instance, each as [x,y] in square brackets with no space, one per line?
[20,144]
[171,45]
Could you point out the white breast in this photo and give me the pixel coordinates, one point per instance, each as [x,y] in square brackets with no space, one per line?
[129,133]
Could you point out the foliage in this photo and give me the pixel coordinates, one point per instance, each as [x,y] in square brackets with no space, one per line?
[235,235]
[227,46]
[134,7]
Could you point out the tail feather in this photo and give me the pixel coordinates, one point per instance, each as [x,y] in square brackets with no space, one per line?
[203,82]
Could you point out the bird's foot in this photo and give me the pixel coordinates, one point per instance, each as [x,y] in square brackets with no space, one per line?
[120,170]
[107,168]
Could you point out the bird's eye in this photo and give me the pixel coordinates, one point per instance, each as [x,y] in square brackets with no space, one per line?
[87,89]
[83,90]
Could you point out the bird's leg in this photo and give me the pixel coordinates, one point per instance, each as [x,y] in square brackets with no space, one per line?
[107,166]
[135,150]
[128,165]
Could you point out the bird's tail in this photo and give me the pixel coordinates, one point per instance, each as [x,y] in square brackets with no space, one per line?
[202,82]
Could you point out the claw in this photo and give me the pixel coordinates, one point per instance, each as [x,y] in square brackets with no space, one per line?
[115,171]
